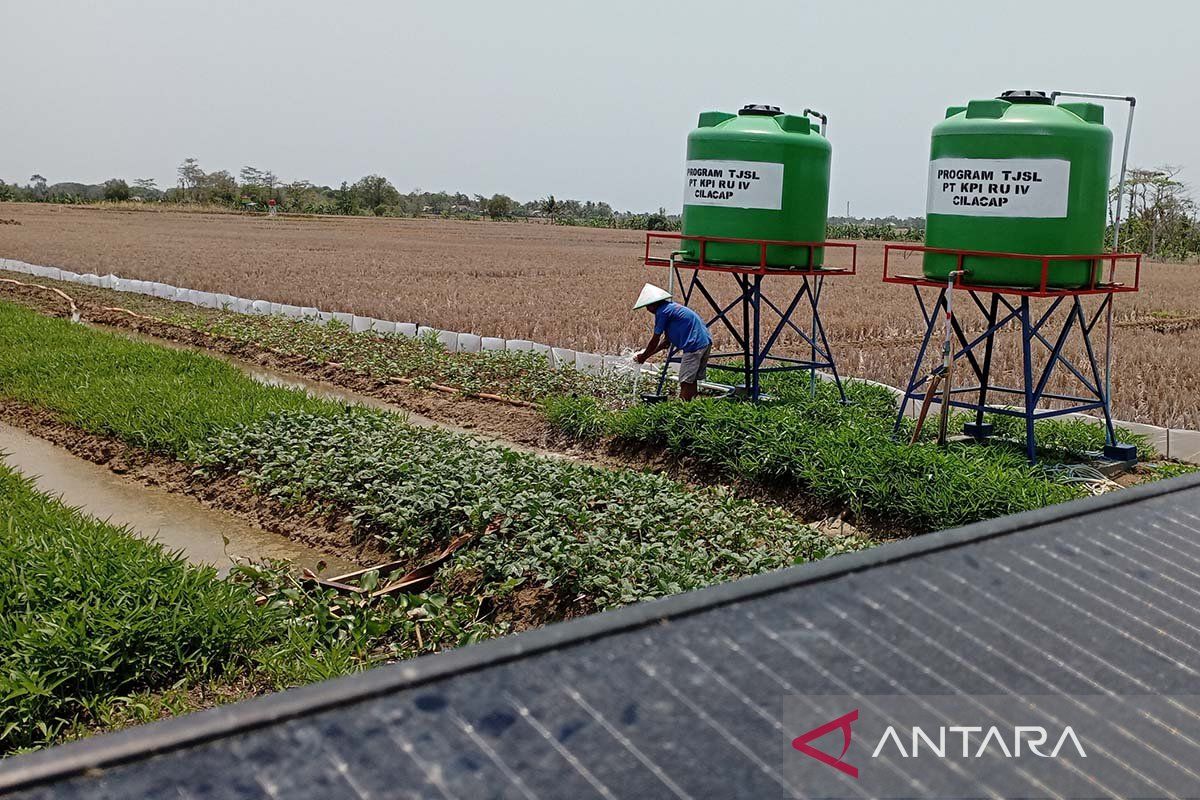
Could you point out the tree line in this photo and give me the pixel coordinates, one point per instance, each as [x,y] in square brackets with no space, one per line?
[256,189]
[1159,215]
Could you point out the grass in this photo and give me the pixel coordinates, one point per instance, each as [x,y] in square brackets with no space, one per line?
[153,397]
[99,628]
[88,611]
[845,456]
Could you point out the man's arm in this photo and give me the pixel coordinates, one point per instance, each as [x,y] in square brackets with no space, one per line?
[657,343]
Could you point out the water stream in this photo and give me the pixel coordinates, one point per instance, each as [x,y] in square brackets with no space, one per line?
[176,521]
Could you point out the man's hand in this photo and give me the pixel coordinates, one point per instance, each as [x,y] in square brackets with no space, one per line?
[640,357]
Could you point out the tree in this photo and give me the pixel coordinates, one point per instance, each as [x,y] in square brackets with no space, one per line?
[1159,217]
[346,199]
[500,206]
[549,206]
[39,186]
[116,189]
[190,177]
[219,187]
[375,191]
[146,186]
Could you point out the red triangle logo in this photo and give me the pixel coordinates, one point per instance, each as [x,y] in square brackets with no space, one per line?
[842,723]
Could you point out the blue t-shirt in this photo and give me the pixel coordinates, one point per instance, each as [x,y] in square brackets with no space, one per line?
[683,327]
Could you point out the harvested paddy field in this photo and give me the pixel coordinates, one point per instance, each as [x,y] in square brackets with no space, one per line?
[563,286]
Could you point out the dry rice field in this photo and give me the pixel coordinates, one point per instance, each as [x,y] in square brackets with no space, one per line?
[565,286]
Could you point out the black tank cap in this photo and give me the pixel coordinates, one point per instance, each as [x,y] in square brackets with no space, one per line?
[759,111]
[1030,96]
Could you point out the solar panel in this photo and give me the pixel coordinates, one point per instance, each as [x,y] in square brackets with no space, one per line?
[1081,616]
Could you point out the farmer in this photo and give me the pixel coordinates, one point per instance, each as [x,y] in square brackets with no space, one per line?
[684,330]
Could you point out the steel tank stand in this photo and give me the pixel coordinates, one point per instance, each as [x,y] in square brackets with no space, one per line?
[754,319]
[1049,329]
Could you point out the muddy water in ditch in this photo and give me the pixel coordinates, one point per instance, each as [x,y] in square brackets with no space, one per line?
[176,521]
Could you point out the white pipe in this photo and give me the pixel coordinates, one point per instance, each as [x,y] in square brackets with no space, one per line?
[1112,267]
[808,112]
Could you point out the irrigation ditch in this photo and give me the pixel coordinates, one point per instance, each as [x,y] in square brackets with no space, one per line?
[204,534]
[368,447]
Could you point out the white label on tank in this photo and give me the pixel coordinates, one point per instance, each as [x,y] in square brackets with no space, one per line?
[999,187]
[734,184]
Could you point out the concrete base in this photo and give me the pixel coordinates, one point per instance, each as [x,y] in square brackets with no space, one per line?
[978,431]
[1121,452]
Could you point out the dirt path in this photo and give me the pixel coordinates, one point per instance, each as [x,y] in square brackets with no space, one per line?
[204,535]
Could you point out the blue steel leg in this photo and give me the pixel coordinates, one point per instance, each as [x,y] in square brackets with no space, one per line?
[812,337]
[987,361]
[747,352]
[756,356]
[930,322]
[820,331]
[1109,431]
[1027,368]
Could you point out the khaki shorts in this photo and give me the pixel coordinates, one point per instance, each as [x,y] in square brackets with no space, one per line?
[693,367]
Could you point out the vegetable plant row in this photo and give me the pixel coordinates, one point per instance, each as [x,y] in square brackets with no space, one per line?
[844,455]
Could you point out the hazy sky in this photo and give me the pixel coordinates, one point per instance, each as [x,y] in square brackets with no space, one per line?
[585,100]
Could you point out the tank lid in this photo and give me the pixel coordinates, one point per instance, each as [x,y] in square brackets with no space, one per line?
[1030,96]
[752,110]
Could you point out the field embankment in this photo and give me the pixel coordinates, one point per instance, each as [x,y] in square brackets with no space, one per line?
[564,286]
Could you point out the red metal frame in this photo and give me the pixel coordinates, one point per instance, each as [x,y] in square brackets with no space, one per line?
[1043,290]
[762,268]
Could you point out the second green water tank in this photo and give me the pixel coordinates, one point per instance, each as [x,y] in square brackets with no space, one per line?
[757,174]
[1017,174]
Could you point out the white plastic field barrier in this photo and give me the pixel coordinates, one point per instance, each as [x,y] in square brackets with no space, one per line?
[562,357]
[360,324]
[424,330]
[294,312]
[592,363]
[491,343]
[309,312]
[408,329]
[261,307]
[448,340]
[383,327]
[542,350]
[469,343]
[344,317]
[519,345]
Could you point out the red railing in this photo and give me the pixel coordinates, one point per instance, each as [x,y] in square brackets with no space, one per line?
[1096,286]
[762,269]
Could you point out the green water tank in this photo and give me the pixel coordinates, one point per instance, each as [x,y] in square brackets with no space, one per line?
[757,174]
[1018,174]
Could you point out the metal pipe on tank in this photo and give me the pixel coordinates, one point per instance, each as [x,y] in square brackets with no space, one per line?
[1112,268]
[808,112]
